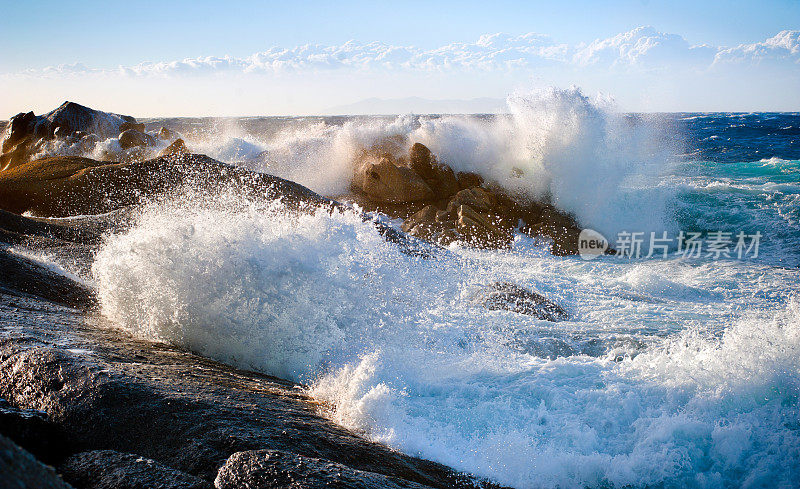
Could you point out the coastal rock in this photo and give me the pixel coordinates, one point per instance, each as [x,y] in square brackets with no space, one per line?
[20,470]
[178,147]
[507,296]
[468,180]
[18,128]
[382,180]
[108,391]
[34,432]
[132,138]
[440,178]
[108,469]
[272,469]
[443,207]
[481,230]
[25,133]
[66,185]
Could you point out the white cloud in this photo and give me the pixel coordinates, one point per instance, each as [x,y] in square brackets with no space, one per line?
[783,47]
[643,48]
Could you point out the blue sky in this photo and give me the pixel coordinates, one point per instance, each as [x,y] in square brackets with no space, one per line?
[163,58]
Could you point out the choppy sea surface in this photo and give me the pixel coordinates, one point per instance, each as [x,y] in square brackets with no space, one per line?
[674,371]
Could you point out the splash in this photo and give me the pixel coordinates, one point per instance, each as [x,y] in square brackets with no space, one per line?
[394,348]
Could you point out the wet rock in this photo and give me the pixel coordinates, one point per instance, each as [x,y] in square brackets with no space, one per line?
[178,147]
[20,470]
[440,178]
[133,138]
[22,276]
[481,229]
[268,469]
[34,432]
[507,296]
[108,469]
[18,128]
[25,133]
[110,392]
[423,224]
[67,185]
[382,180]
[442,207]
[468,180]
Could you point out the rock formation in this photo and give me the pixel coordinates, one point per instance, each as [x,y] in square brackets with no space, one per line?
[73,129]
[441,206]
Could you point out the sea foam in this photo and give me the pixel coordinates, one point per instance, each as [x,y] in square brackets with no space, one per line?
[678,391]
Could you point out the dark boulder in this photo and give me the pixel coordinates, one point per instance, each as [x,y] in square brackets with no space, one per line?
[20,470]
[18,128]
[108,469]
[34,431]
[274,469]
[507,296]
[133,138]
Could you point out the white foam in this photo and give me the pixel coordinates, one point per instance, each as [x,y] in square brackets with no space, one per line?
[705,395]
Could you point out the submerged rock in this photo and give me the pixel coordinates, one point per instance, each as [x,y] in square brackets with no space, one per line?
[108,469]
[507,296]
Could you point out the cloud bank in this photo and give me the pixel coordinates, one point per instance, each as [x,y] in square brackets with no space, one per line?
[643,48]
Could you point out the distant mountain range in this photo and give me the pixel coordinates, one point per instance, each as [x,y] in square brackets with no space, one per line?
[418,105]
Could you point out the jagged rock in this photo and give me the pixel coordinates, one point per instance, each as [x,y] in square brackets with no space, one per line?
[481,229]
[176,148]
[133,138]
[273,469]
[449,207]
[383,180]
[507,296]
[423,224]
[440,178]
[26,132]
[476,197]
[18,128]
[468,180]
[109,469]
[20,470]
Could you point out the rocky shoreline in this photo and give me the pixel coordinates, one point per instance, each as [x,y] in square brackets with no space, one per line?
[109,411]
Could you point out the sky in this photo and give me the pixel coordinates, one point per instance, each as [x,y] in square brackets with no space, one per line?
[204,58]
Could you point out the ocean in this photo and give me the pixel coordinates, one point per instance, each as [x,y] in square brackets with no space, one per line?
[675,369]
